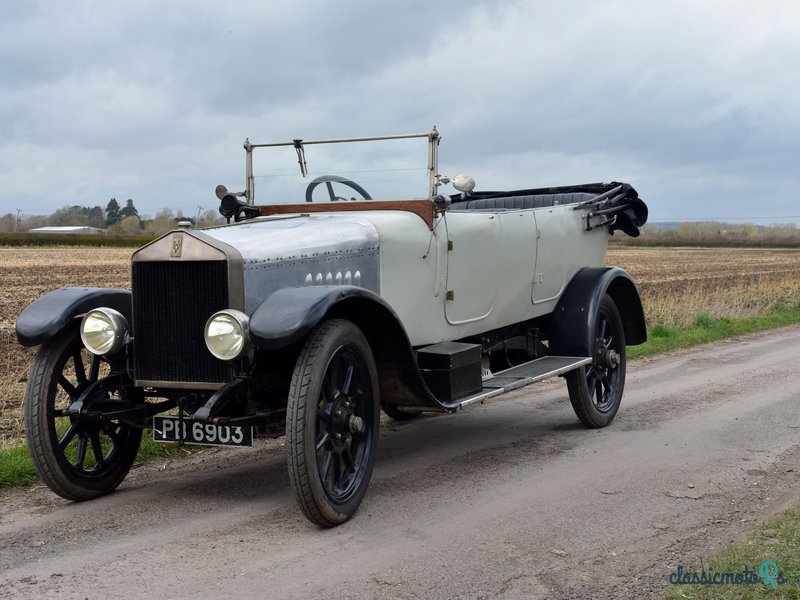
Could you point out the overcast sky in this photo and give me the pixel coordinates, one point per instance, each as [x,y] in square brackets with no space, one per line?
[694,103]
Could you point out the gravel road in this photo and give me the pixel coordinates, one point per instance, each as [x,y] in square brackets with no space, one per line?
[511,499]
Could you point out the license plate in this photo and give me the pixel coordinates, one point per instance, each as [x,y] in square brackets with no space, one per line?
[171,429]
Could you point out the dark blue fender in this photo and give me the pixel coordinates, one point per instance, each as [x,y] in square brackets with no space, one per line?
[287,316]
[572,326]
[47,316]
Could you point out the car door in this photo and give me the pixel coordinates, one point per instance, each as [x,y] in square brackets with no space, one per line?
[552,254]
[490,265]
[474,246]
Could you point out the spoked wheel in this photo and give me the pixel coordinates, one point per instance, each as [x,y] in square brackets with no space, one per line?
[332,422]
[77,458]
[596,390]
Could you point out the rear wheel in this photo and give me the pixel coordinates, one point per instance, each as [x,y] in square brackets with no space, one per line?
[332,422]
[596,390]
[76,457]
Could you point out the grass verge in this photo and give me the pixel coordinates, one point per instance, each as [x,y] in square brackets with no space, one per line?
[16,468]
[29,240]
[776,541]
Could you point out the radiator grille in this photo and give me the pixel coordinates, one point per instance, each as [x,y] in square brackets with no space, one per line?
[171,303]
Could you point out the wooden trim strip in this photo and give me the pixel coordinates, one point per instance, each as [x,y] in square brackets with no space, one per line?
[421,208]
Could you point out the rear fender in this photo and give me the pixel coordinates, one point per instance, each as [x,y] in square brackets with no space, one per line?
[572,325]
[50,314]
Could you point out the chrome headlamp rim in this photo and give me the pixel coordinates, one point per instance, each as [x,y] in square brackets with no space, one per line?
[239,338]
[110,326]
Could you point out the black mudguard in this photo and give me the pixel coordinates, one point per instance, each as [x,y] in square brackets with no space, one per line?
[287,316]
[47,316]
[290,314]
[572,326]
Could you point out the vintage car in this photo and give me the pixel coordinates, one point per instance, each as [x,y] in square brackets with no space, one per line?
[309,318]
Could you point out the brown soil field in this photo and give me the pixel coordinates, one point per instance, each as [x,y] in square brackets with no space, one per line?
[677,284]
[26,274]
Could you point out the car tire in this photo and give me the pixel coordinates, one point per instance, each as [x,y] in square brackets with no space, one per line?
[77,458]
[596,389]
[332,422]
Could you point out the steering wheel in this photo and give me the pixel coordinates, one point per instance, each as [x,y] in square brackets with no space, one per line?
[327,179]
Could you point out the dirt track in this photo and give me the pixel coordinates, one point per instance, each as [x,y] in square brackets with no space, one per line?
[507,500]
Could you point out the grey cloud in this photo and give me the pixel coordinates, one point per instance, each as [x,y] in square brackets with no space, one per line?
[692,101]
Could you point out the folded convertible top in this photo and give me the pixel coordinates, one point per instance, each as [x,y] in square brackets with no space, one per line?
[630,210]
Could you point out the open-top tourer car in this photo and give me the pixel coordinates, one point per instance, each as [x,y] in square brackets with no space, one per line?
[325,299]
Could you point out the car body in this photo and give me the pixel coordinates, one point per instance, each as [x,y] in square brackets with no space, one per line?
[309,317]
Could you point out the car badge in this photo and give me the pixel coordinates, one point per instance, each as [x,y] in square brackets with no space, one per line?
[177,246]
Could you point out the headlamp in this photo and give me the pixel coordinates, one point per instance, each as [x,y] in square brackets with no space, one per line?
[227,334]
[104,331]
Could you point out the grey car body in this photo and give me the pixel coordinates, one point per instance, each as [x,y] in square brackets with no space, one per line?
[308,318]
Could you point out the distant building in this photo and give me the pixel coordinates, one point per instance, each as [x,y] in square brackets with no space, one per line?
[69,230]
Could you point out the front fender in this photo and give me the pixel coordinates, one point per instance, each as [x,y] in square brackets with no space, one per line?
[572,326]
[289,314]
[47,316]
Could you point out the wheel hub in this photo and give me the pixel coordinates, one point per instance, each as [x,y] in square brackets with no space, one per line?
[356,424]
[611,359]
[605,357]
[346,423]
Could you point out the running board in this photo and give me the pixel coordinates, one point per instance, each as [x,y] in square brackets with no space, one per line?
[522,375]
[514,378]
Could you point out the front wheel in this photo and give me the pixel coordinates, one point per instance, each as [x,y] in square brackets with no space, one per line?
[332,422]
[596,390]
[77,458]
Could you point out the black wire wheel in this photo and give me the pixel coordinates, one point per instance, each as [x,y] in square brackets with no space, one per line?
[596,390]
[332,422]
[77,457]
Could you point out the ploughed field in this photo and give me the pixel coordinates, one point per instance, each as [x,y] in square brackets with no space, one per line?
[677,285]
[26,274]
